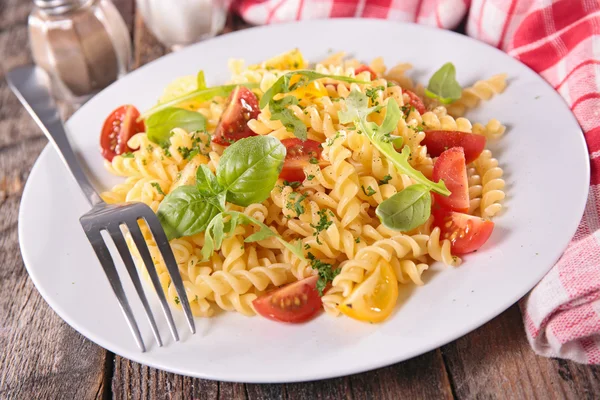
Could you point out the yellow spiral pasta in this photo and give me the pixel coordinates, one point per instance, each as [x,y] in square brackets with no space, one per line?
[492,192]
[481,90]
[331,212]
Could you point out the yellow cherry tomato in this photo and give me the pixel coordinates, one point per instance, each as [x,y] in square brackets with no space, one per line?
[290,60]
[306,94]
[375,298]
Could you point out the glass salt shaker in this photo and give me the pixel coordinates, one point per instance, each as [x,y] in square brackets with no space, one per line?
[179,23]
[83,45]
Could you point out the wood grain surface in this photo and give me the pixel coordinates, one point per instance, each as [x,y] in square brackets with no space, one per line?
[43,358]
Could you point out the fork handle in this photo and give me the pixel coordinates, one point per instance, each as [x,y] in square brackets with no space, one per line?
[31,85]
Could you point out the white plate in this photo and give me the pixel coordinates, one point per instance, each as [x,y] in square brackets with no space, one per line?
[546,169]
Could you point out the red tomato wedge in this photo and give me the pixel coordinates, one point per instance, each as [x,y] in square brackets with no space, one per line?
[242,106]
[118,128]
[451,168]
[439,141]
[294,303]
[363,68]
[415,101]
[467,233]
[299,155]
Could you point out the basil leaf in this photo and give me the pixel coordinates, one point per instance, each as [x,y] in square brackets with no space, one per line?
[407,209]
[249,168]
[443,85]
[185,212]
[206,181]
[198,95]
[357,112]
[160,125]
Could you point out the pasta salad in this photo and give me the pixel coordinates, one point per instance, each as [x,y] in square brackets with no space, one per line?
[296,188]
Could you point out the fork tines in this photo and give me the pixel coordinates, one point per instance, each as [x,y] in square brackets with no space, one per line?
[111,218]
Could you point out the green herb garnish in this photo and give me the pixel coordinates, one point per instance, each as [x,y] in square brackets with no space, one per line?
[385,180]
[325,271]
[156,186]
[406,209]
[443,85]
[127,154]
[159,125]
[369,191]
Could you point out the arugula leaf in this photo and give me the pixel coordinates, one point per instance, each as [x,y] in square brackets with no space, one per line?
[287,117]
[198,95]
[160,125]
[200,81]
[407,209]
[206,181]
[443,85]
[185,212]
[357,112]
[278,108]
[282,85]
[249,168]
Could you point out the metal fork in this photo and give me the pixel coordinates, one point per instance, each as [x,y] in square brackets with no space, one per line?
[31,85]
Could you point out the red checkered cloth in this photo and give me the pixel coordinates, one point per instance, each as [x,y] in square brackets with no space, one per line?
[561,41]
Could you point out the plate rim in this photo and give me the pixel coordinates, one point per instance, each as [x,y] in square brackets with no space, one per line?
[382,361]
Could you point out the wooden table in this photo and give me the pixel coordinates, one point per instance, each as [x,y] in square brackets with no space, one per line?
[43,358]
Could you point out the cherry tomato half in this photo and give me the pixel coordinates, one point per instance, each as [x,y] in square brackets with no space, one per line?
[451,168]
[414,101]
[363,68]
[439,141]
[242,106]
[118,128]
[299,155]
[293,303]
[466,233]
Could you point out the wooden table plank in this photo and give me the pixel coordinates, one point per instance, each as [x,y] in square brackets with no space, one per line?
[44,358]
[497,361]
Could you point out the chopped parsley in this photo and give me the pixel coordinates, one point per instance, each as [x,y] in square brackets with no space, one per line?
[310,177]
[390,84]
[385,180]
[127,154]
[149,148]
[156,186]
[323,223]
[326,272]
[166,150]
[313,160]
[330,141]
[407,109]
[372,94]
[177,300]
[369,191]
[357,240]
[293,184]
[306,246]
[296,205]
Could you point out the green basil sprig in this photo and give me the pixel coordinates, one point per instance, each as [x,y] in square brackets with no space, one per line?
[443,85]
[407,209]
[247,172]
[160,124]
[278,108]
